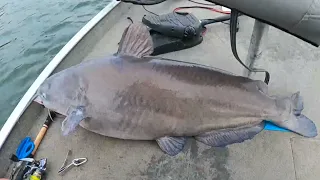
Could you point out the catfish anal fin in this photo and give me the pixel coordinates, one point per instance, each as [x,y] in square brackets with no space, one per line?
[224,137]
[172,145]
[72,120]
[136,41]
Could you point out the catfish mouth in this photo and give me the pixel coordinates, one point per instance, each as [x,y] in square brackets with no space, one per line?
[37,99]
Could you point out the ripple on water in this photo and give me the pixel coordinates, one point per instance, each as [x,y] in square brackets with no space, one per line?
[82,4]
[36,50]
[55,49]
[17,81]
[57,27]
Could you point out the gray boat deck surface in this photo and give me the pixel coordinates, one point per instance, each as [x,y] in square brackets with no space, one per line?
[294,66]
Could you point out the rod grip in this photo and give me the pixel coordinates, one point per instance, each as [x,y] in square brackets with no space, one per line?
[42,132]
[39,138]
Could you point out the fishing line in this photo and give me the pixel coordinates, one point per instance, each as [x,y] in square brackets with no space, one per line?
[50,115]
[212,4]
[130,19]
[202,7]
[207,21]
[149,11]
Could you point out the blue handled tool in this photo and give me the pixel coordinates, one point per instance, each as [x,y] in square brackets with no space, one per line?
[25,148]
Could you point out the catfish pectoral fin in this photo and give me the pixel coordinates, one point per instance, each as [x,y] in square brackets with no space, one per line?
[72,120]
[224,137]
[172,145]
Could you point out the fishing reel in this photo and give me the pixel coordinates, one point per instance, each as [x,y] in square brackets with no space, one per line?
[29,169]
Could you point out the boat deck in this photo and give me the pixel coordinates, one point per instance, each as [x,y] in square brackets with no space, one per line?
[293,64]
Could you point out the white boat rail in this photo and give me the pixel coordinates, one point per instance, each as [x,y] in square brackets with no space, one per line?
[27,98]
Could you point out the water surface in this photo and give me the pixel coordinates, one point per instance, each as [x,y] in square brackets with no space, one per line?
[31,33]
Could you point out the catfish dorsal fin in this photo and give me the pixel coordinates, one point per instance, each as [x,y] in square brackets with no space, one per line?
[136,41]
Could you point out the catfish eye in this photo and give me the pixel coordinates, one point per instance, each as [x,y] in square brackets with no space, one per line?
[44,95]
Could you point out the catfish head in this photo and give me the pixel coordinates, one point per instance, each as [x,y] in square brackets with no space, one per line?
[60,92]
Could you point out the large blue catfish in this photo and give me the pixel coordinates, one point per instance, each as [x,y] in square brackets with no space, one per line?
[132,96]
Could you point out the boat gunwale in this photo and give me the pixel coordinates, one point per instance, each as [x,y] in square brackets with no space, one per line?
[47,71]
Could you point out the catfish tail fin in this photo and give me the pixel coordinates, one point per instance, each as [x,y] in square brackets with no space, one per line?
[136,41]
[298,122]
[302,125]
[72,120]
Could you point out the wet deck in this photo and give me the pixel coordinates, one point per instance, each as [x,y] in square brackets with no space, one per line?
[293,64]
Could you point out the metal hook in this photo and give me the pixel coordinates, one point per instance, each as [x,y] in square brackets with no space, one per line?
[75,163]
[79,161]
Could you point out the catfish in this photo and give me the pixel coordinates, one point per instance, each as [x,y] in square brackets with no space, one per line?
[134,96]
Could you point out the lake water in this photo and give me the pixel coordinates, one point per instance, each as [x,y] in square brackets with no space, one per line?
[31,33]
